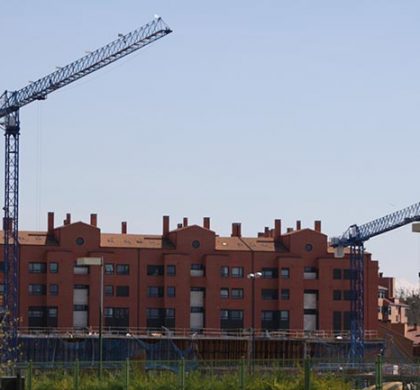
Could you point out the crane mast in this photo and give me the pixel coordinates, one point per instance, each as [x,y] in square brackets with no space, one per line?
[10,104]
[354,237]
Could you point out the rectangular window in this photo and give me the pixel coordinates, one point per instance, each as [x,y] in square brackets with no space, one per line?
[347,320]
[117,317]
[236,314]
[80,269]
[337,273]
[237,293]
[310,273]
[337,295]
[284,319]
[224,293]
[267,315]
[231,319]
[37,268]
[1,266]
[81,287]
[285,294]
[270,273]
[197,309]
[155,292]
[42,316]
[349,274]
[349,295]
[224,271]
[1,288]
[170,291]
[53,267]
[122,291]
[35,312]
[284,273]
[155,270]
[109,290]
[52,312]
[171,270]
[224,314]
[80,307]
[284,315]
[337,320]
[37,289]
[158,317]
[237,272]
[269,293]
[152,313]
[109,269]
[53,289]
[122,269]
[197,270]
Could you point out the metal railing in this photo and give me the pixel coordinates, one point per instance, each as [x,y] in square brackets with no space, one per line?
[197,374]
[189,333]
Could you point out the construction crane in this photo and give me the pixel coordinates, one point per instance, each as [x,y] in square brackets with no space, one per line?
[355,237]
[10,104]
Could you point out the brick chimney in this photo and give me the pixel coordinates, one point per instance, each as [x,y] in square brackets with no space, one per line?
[165,229]
[236,229]
[50,222]
[185,222]
[298,225]
[266,231]
[317,226]
[67,221]
[179,226]
[94,220]
[206,223]
[289,229]
[123,227]
[277,229]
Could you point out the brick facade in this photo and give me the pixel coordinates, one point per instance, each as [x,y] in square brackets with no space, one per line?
[188,278]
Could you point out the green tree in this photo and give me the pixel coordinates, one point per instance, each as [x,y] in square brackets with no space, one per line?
[412,299]
[7,367]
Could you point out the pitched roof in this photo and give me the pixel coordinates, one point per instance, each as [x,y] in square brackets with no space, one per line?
[29,238]
[114,240]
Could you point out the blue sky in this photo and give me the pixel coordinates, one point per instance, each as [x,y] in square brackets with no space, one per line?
[249,111]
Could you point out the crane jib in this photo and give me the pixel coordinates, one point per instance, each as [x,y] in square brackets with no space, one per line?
[358,234]
[95,60]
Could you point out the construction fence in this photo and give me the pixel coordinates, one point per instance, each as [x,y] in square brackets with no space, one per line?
[236,374]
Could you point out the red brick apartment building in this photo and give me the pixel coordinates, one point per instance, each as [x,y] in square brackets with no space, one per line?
[188,278]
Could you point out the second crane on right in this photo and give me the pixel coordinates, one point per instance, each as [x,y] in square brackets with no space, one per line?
[354,238]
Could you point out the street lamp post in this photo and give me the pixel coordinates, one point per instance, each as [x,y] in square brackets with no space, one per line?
[253,276]
[97,261]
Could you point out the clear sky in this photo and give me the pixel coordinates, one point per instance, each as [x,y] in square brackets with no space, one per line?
[249,111]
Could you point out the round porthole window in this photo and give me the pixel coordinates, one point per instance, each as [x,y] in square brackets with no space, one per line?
[80,241]
[196,244]
[308,247]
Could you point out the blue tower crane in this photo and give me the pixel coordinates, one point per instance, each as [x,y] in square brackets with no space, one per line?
[355,237]
[10,104]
